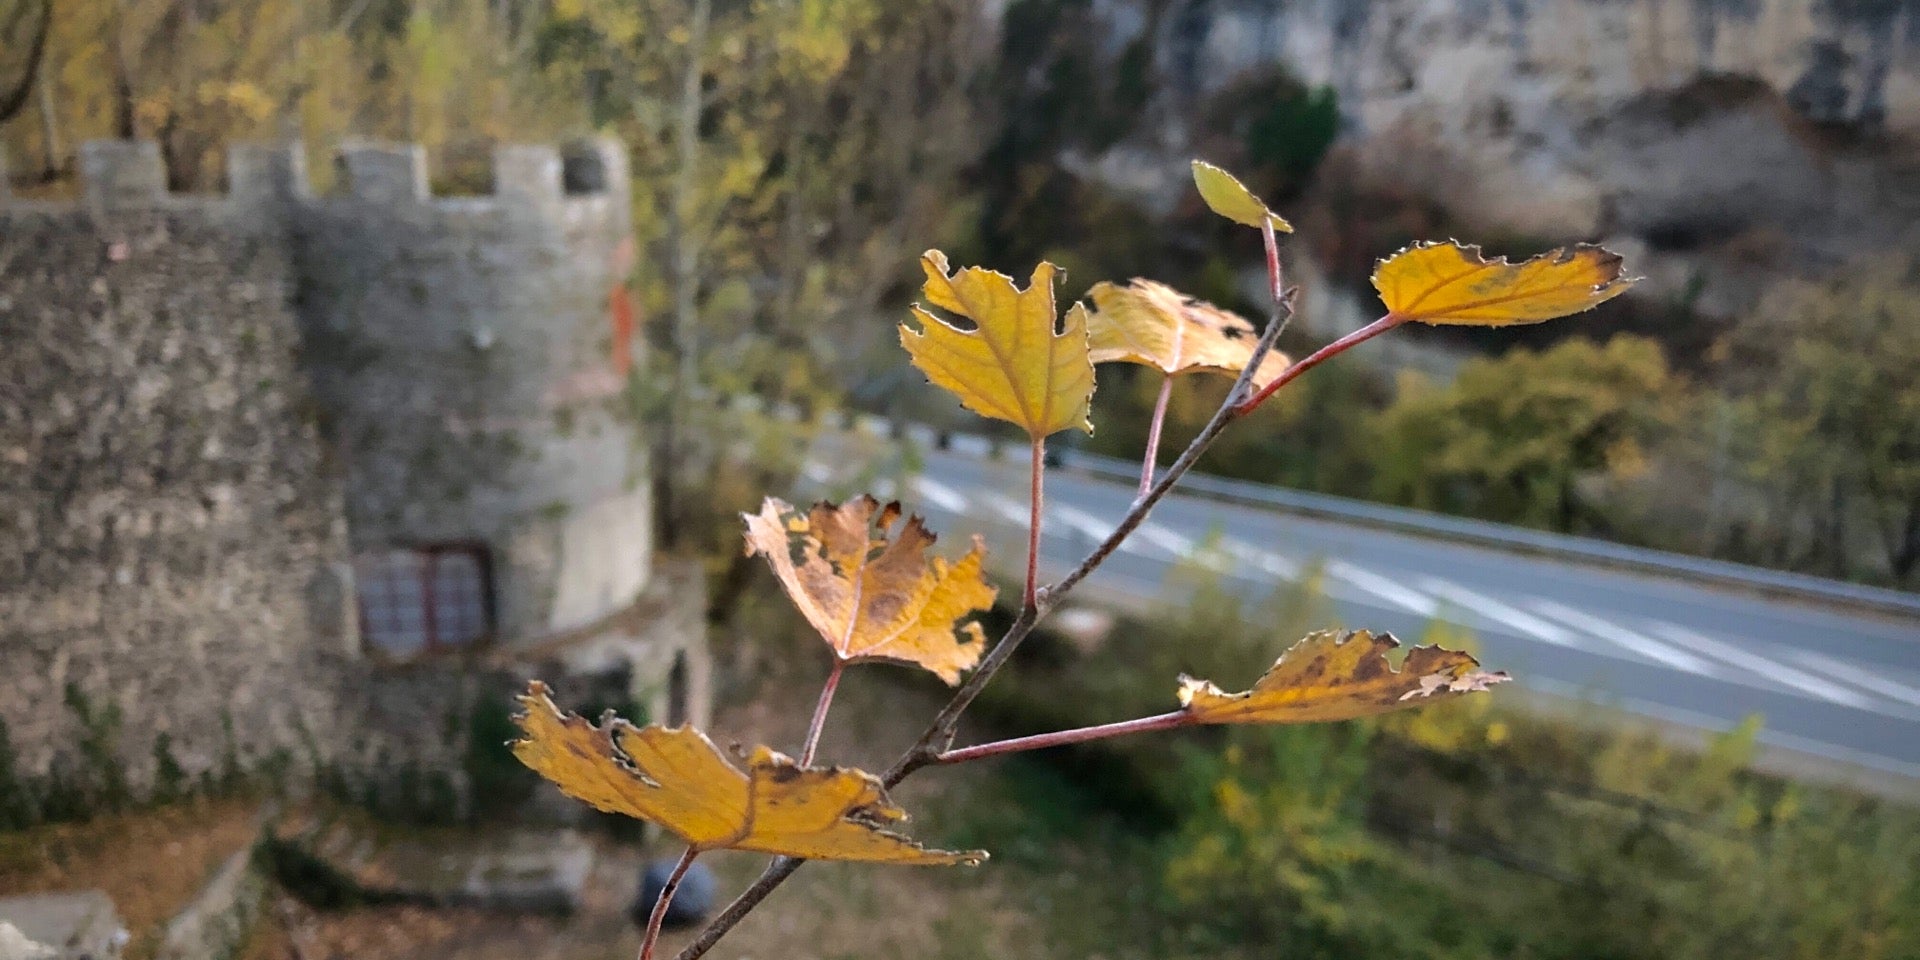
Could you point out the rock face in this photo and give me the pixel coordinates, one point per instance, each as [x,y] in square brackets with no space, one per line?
[1558,118]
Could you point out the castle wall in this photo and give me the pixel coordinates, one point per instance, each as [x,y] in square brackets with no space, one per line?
[213,409]
[174,554]
[464,363]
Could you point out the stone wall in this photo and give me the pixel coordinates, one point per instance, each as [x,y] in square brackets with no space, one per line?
[464,364]
[211,405]
[174,548]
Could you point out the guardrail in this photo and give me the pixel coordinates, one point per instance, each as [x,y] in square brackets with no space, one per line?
[1722,573]
[1518,539]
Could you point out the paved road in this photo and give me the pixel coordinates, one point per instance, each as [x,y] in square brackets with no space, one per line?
[1835,684]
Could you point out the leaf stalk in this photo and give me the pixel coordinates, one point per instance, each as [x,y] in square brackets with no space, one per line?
[1061,738]
[820,712]
[658,918]
[1152,458]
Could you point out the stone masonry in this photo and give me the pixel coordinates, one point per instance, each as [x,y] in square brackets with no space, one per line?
[215,409]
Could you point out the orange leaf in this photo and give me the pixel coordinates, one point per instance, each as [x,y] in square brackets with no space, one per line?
[1339,675]
[679,780]
[1155,325]
[1454,284]
[873,598]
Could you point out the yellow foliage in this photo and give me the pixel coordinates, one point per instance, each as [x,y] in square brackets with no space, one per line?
[1155,325]
[1013,365]
[872,598]
[1228,197]
[1339,675]
[679,780]
[1453,284]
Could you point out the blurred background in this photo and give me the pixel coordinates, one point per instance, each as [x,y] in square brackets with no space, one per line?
[365,358]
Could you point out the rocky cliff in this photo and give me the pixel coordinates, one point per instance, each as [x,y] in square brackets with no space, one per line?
[1685,123]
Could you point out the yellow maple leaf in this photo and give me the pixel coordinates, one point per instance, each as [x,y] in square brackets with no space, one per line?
[870,597]
[1228,197]
[678,779]
[1155,325]
[1453,284]
[1339,675]
[1013,365]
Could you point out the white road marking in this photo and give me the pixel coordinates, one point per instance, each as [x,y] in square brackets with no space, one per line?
[1177,544]
[940,495]
[1770,669]
[1082,522]
[816,471]
[1010,511]
[1261,559]
[1637,642]
[1509,616]
[1859,677]
[1405,598]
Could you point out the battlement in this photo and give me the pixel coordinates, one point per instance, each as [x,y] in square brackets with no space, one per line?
[129,175]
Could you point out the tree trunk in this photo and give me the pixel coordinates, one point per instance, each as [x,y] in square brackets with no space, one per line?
[684,268]
[15,100]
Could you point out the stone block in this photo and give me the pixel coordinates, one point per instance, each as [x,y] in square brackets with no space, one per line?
[60,926]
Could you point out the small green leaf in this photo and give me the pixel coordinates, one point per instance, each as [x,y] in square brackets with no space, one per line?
[1230,198]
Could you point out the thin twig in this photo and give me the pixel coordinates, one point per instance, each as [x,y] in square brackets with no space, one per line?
[1061,738]
[1314,359]
[820,711]
[1151,460]
[659,915]
[938,737]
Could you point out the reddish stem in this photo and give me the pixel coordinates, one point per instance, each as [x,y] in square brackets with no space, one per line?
[659,914]
[820,711]
[1034,505]
[1060,738]
[1314,359]
[1152,459]
[1274,283]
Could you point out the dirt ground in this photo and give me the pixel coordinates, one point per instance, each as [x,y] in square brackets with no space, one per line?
[150,862]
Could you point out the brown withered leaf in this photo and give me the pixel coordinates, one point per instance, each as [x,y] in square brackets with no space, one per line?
[871,597]
[1154,325]
[1448,283]
[679,780]
[1338,675]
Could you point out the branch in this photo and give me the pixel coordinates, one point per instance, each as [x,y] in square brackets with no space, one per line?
[934,743]
[15,100]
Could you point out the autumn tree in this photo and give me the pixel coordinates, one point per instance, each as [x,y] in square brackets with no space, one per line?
[1827,413]
[785,151]
[1511,437]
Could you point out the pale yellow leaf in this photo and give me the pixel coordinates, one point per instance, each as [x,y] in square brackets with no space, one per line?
[1014,364]
[1453,284]
[1155,325]
[679,780]
[1339,675]
[871,597]
[1228,197]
